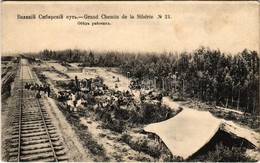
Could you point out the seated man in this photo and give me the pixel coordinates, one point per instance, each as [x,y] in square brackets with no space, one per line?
[38,95]
[70,105]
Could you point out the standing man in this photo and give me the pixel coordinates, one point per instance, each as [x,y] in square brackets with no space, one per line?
[73,98]
[9,88]
[77,82]
[48,90]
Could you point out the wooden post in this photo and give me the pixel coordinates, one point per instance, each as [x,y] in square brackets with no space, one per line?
[226,103]
[232,98]
[182,86]
[238,101]
[163,83]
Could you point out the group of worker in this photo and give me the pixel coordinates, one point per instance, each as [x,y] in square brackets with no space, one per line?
[75,99]
[38,88]
[87,89]
[116,99]
[81,88]
[151,95]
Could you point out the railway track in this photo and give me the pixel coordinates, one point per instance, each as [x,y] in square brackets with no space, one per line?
[34,136]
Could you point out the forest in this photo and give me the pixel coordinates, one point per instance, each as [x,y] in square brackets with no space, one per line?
[204,74]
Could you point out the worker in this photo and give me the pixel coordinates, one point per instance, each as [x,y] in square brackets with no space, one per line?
[41,88]
[73,98]
[9,88]
[26,86]
[48,89]
[45,88]
[76,82]
[38,95]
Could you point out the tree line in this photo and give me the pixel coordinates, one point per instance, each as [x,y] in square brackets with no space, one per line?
[205,74]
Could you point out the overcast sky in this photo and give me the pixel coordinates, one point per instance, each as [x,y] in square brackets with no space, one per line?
[228,26]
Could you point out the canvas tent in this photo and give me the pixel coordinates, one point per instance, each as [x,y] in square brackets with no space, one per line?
[189,131]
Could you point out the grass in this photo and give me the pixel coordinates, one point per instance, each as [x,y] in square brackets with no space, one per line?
[150,144]
[82,132]
[223,153]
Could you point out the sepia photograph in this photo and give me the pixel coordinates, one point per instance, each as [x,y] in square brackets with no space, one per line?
[121,81]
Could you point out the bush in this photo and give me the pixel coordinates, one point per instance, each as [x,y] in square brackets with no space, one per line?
[155,113]
[149,144]
[223,154]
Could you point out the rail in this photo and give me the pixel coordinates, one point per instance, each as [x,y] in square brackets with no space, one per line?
[21,113]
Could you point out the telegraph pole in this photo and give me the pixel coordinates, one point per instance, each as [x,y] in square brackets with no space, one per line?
[128,78]
[155,81]
[163,83]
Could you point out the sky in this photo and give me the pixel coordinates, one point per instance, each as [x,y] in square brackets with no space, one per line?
[228,26]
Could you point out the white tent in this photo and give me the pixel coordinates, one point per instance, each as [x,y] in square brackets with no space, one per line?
[187,132]
[191,129]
